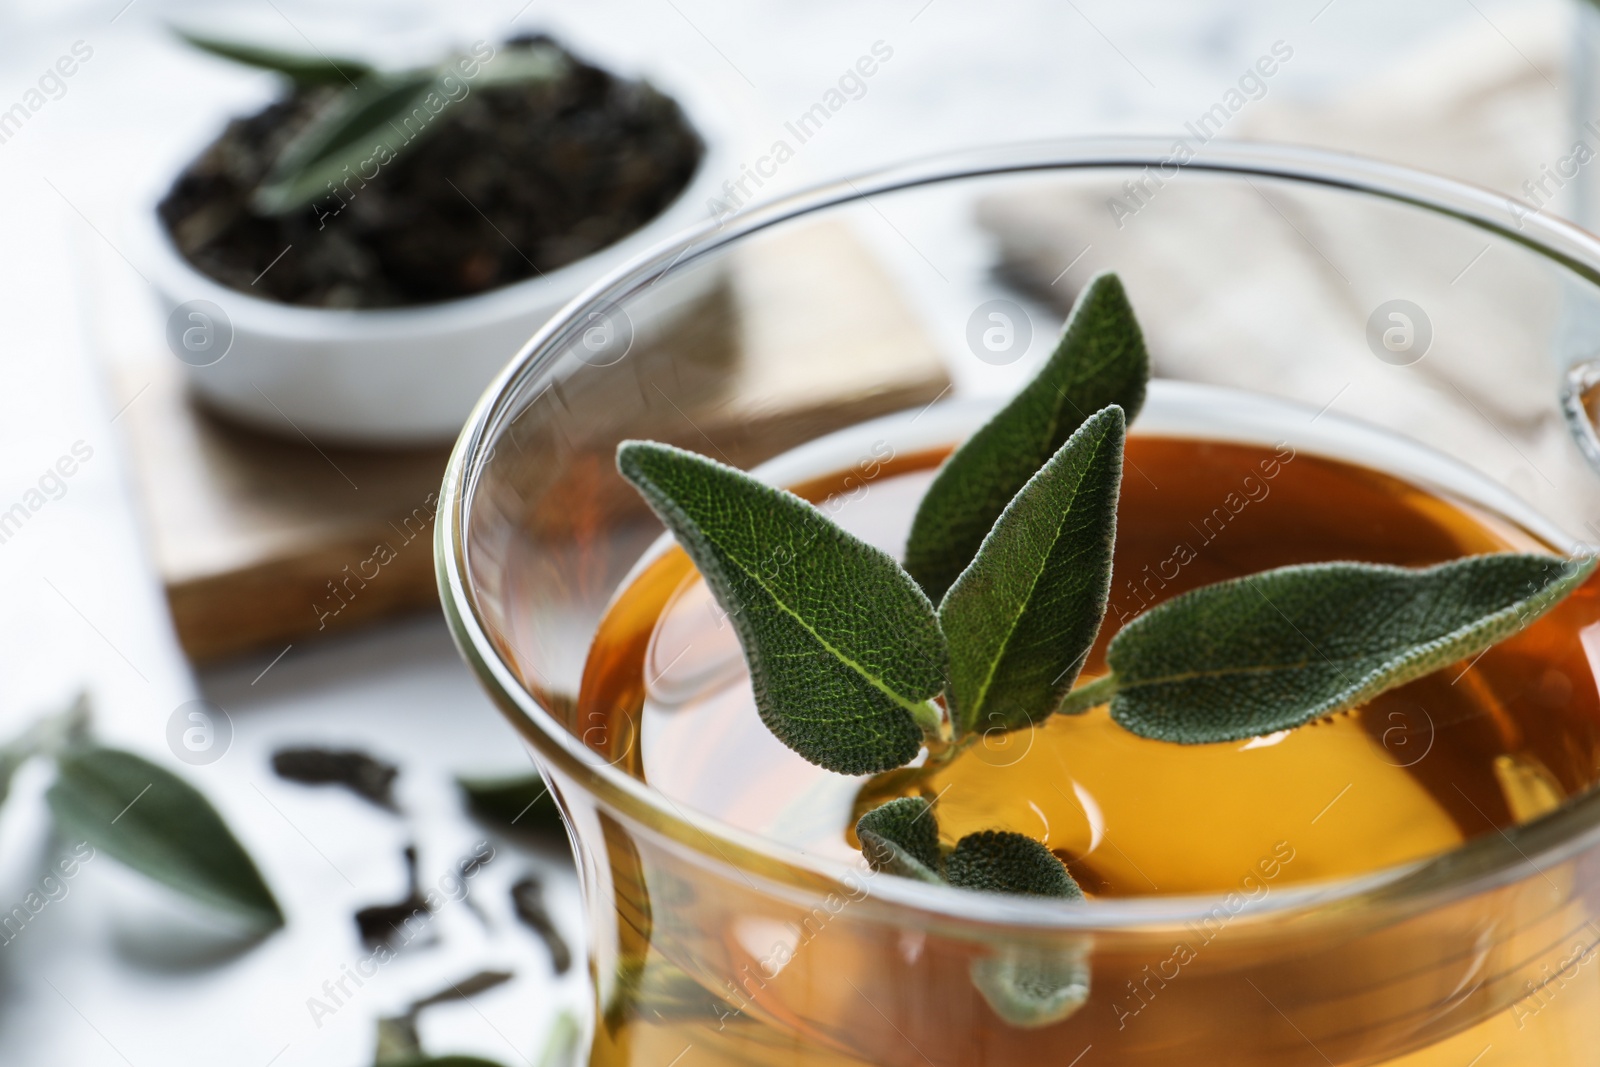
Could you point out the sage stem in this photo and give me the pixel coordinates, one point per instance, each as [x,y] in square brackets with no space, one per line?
[1091,695]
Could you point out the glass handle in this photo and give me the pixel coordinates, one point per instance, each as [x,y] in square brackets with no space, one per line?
[1580,404]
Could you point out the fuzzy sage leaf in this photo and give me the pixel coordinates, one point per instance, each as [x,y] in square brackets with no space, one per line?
[161,826]
[901,837]
[374,120]
[1021,619]
[298,67]
[1026,986]
[1279,649]
[1034,987]
[843,647]
[382,115]
[999,861]
[1100,360]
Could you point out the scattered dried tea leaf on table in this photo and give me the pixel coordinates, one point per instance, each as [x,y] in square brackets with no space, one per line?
[1099,361]
[381,924]
[158,824]
[527,899]
[398,1043]
[843,647]
[364,775]
[467,987]
[1021,619]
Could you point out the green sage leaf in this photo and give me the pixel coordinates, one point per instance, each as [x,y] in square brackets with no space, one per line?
[561,1043]
[1027,987]
[1279,649]
[902,837]
[1031,988]
[382,115]
[302,69]
[843,647]
[998,861]
[372,122]
[520,803]
[46,737]
[1021,619]
[161,826]
[1099,361]
[535,62]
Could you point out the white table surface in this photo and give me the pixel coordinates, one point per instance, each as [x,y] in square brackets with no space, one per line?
[119,973]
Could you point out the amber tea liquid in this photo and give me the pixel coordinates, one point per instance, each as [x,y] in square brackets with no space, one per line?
[1464,752]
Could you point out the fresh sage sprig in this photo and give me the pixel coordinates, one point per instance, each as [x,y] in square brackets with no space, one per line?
[371,116]
[854,668]
[161,826]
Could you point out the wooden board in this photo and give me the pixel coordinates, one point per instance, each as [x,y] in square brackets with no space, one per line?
[252,533]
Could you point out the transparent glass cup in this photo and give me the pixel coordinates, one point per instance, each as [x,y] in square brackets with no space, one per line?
[1365,311]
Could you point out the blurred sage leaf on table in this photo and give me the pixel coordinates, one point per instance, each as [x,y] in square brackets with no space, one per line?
[1099,361]
[1276,650]
[518,803]
[153,821]
[561,1043]
[51,734]
[843,647]
[1021,619]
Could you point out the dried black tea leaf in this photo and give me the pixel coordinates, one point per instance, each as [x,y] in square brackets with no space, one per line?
[362,774]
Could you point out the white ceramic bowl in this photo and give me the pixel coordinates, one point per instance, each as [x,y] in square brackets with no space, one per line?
[396,376]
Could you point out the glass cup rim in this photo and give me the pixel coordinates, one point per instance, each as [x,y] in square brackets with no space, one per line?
[1486,862]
